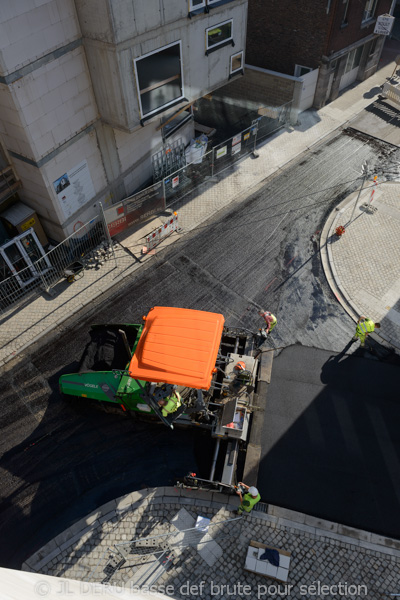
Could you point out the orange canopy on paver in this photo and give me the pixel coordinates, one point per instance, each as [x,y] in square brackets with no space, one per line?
[178,346]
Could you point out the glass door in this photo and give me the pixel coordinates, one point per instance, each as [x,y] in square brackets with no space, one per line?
[22,255]
[18,264]
[34,250]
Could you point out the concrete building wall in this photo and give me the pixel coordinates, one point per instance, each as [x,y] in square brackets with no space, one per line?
[30,30]
[68,93]
[12,130]
[47,102]
[54,102]
[111,59]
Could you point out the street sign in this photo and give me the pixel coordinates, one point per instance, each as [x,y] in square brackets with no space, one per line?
[384,25]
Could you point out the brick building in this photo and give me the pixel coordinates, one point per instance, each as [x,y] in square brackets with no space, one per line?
[335,37]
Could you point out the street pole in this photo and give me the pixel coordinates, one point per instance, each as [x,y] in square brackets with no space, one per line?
[365,174]
[255,125]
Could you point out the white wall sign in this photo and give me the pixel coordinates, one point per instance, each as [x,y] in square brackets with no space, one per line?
[74,188]
[236,139]
[236,149]
[384,25]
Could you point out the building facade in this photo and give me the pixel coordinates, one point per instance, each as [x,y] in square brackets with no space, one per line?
[335,37]
[91,89]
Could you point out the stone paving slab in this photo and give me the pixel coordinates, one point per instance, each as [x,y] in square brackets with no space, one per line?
[322,553]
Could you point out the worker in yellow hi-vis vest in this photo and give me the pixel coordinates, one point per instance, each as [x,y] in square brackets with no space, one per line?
[365,326]
[249,499]
[171,404]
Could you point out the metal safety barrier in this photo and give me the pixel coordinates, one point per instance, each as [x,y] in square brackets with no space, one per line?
[147,558]
[45,271]
[224,155]
[156,236]
[64,260]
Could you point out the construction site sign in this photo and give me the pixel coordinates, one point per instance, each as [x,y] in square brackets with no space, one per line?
[236,139]
[221,152]
[237,148]
[135,209]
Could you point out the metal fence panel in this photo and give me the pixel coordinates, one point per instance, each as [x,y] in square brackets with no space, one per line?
[272,119]
[238,146]
[135,208]
[152,551]
[50,268]
[187,179]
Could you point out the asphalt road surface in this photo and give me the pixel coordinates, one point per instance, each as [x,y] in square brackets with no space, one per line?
[63,458]
[331,439]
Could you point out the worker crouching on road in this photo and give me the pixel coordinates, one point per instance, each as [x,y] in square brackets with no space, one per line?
[365,326]
[171,404]
[270,322]
[249,500]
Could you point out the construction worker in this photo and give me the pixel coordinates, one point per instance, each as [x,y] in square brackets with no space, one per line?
[365,326]
[270,322]
[171,404]
[249,500]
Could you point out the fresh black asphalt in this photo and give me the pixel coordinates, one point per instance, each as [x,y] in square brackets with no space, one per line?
[331,441]
[62,458]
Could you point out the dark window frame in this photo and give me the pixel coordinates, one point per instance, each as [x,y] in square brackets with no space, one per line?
[225,42]
[148,114]
[236,71]
[370,13]
[205,6]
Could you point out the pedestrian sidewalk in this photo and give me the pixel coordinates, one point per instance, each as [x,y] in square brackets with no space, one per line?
[43,318]
[362,266]
[147,538]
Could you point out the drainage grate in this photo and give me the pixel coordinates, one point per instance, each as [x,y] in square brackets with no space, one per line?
[261,507]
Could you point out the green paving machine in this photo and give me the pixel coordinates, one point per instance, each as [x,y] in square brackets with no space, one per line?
[213,368]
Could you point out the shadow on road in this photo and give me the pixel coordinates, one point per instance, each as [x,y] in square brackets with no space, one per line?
[331,439]
[71,458]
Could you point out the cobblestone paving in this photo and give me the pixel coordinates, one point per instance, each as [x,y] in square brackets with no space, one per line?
[366,258]
[316,560]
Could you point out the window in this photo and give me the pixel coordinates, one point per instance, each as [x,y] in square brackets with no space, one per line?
[176,123]
[159,79]
[346,10]
[369,10]
[353,59]
[195,4]
[236,63]
[372,48]
[219,35]
[300,70]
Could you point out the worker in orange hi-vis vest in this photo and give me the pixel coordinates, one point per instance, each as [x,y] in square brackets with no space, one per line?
[270,322]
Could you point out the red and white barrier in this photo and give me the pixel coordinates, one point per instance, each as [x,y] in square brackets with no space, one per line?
[373,191]
[154,238]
